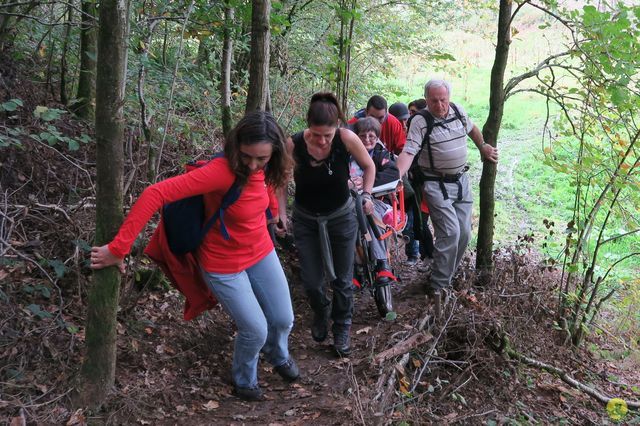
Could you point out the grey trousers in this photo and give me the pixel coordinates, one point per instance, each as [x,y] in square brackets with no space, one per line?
[451,220]
[342,237]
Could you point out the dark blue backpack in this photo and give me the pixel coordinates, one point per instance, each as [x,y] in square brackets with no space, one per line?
[184,220]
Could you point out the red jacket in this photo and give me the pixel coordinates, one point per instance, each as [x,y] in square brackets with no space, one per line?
[183,272]
[245,219]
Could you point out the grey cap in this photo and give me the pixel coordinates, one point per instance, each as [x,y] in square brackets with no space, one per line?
[399,111]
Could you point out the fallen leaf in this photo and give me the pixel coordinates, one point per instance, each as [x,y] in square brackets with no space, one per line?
[211,405]
[77,419]
[365,330]
[303,393]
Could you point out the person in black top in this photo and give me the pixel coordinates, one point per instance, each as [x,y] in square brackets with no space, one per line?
[324,221]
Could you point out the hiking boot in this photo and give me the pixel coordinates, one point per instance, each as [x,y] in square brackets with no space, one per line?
[342,341]
[411,261]
[382,265]
[289,371]
[320,324]
[253,393]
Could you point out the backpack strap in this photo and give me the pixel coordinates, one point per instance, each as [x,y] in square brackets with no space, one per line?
[230,197]
[431,124]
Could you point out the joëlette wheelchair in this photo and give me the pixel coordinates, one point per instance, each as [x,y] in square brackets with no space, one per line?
[365,274]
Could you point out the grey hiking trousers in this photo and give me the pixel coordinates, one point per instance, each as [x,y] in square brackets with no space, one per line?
[318,237]
[451,220]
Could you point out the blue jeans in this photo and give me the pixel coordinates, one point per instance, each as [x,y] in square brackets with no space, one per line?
[258,300]
[411,248]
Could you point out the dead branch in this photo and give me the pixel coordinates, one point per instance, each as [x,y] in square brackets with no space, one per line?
[403,347]
[565,377]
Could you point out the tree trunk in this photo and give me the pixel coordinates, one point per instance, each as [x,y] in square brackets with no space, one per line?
[202,57]
[225,80]
[145,118]
[347,22]
[98,369]
[86,96]
[258,96]
[64,100]
[490,130]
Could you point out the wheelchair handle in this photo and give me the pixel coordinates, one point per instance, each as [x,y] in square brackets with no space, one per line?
[359,212]
[374,227]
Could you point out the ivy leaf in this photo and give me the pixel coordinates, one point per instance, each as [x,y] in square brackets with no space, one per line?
[58,267]
[73,144]
[11,105]
[38,311]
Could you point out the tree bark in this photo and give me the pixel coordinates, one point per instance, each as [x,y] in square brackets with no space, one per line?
[64,100]
[225,80]
[490,130]
[145,116]
[98,369]
[86,95]
[258,95]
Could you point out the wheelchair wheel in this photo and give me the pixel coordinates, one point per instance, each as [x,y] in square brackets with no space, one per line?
[383,298]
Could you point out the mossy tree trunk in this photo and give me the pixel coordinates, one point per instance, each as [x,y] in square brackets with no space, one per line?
[490,130]
[86,96]
[258,95]
[64,99]
[98,369]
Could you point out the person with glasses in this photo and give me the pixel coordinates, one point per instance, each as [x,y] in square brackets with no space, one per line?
[368,130]
[392,133]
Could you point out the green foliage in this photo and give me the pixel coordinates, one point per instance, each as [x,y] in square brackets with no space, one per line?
[38,290]
[38,311]
[596,149]
[11,105]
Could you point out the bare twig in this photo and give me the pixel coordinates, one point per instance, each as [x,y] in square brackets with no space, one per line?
[565,377]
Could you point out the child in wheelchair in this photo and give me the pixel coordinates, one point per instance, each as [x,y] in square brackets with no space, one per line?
[368,130]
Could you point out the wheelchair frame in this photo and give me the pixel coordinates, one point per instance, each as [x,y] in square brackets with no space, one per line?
[394,193]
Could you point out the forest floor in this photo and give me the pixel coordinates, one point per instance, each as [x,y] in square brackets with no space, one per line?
[452,370]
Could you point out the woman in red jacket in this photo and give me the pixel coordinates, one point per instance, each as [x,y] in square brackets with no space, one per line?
[243,272]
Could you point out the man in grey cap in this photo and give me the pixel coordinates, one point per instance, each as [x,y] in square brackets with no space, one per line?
[401,112]
[438,137]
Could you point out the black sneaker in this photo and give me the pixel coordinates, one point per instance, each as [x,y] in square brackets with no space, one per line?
[289,371]
[320,325]
[249,394]
[342,341]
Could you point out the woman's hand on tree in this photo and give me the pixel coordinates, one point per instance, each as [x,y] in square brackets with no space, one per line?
[101,257]
[281,227]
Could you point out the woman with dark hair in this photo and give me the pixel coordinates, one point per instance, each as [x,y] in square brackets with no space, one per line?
[324,221]
[417,105]
[243,272]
